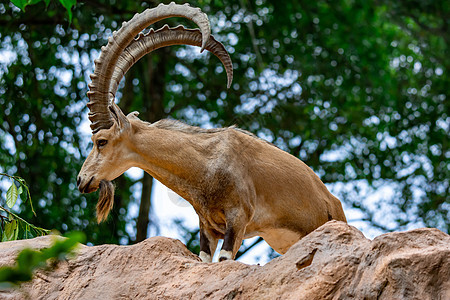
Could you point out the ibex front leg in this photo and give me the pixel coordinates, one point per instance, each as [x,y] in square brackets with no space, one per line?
[233,237]
[208,244]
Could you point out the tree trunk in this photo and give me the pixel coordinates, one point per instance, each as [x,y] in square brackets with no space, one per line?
[144,208]
[152,73]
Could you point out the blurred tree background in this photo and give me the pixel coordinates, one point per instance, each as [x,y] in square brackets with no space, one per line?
[356,89]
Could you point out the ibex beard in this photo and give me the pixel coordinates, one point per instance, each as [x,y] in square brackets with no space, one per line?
[105,200]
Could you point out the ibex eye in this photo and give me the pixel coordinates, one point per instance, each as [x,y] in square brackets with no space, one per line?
[101,143]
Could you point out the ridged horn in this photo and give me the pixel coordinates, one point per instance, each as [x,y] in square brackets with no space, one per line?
[163,37]
[98,94]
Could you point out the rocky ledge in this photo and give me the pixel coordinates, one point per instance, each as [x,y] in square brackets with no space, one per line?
[335,261]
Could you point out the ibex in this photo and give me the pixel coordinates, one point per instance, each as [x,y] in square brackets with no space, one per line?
[240,185]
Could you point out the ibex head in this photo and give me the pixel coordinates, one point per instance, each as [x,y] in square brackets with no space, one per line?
[108,158]
[111,155]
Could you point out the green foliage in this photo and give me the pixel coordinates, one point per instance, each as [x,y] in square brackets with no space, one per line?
[41,113]
[68,4]
[12,226]
[356,89]
[29,260]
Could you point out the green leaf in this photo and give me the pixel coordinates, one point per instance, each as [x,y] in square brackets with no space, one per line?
[11,195]
[20,3]
[20,190]
[68,4]
[10,233]
[16,231]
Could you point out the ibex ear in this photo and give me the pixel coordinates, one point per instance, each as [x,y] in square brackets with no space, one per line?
[133,115]
[119,117]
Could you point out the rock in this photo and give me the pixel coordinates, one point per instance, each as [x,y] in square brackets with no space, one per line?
[335,261]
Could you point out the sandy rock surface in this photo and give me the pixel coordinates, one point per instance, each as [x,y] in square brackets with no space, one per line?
[334,262]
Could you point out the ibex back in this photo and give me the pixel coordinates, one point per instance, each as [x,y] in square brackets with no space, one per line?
[239,185]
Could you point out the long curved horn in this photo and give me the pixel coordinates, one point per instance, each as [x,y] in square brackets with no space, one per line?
[104,66]
[165,36]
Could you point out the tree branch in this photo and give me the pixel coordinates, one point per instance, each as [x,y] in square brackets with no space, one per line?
[240,253]
[251,31]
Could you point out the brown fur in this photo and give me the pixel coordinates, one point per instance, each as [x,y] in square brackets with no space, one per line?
[234,180]
[182,127]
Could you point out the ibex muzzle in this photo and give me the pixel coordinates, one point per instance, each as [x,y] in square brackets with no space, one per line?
[239,185]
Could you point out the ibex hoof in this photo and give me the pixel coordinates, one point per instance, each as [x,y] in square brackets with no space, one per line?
[225,255]
[205,257]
